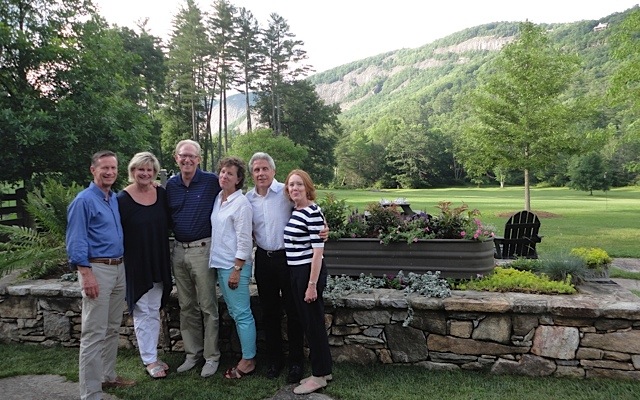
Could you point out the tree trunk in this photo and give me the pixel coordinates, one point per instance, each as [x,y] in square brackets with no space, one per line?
[248,106]
[527,191]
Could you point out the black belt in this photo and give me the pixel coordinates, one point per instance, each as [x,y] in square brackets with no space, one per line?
[108,261]
[274,253]
[195,243]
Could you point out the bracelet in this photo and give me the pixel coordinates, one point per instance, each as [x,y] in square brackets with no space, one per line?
[237,268]
[312,283]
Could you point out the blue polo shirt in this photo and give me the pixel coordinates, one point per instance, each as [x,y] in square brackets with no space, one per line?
[94,229]
[191,206]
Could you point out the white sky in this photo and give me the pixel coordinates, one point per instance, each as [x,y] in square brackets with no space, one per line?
[336,32]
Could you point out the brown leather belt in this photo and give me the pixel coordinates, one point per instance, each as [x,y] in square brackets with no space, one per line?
[108,261]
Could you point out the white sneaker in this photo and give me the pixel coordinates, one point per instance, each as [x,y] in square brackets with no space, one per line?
[187,365]
[209,368]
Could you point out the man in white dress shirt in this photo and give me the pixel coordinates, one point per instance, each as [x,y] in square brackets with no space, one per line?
[271,212]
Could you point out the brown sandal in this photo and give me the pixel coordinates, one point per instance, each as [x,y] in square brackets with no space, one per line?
[237,373]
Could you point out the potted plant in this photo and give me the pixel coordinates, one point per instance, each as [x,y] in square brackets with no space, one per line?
[382,240]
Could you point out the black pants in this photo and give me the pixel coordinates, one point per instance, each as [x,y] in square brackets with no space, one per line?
[274,291]
[312,317]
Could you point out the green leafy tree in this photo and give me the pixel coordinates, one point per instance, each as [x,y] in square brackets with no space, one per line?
[309,122]
[67,89]
[416,159]
[251,58]
[625,82]
[520,120]
[286,154]
[588,173]
[358,158]
[222,30]
[150,66]
[284,64]
[37,43]
[191,83]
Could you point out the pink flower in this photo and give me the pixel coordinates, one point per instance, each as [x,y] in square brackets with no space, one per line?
[463,234]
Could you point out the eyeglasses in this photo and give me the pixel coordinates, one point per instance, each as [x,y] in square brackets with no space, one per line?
[189,156]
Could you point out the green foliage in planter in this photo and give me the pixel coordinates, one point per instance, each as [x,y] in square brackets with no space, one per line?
[41,249]
[389,225]
[512,280]
[594,257]
[428,284]
[334,211]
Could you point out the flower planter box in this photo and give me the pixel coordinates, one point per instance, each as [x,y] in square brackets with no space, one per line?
[454,258]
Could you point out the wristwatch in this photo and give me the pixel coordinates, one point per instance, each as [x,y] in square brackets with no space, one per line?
[237,268]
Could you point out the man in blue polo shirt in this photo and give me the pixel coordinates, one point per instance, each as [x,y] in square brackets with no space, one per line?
[191,195]
[95,247]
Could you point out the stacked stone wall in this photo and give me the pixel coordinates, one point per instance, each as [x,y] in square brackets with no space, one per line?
[582,336]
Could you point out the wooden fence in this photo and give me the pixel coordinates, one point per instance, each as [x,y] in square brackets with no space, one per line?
[12,210]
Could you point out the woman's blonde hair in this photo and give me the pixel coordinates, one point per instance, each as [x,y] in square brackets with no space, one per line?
[142,159]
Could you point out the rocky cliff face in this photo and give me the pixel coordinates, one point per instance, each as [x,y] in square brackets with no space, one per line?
[338,91]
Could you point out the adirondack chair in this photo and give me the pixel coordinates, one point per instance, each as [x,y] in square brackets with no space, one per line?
[520,237]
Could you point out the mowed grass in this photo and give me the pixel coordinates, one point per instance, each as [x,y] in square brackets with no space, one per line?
[351,381]
[569,218]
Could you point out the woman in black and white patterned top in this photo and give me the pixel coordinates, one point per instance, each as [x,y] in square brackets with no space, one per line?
[304,249]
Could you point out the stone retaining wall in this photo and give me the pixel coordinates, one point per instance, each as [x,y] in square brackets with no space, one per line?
[596,334]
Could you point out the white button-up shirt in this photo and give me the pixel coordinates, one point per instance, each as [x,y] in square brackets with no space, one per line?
[270,215]
[230,231]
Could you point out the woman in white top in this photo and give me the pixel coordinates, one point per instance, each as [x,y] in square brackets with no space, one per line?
[231,247]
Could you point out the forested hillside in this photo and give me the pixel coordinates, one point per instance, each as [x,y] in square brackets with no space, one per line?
[381,96]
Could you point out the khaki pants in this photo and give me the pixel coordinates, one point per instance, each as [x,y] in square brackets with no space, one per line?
[196,285]
[101,320]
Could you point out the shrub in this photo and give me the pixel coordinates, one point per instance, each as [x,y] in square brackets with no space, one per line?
[39,250]
[334,212]
[594,257]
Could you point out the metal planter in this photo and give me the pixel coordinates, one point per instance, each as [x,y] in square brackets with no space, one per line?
[454,258]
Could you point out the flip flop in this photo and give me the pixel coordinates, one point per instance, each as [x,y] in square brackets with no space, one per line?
[236,373]
[156,372]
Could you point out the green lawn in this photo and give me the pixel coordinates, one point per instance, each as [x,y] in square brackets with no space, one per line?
[569,218]
[351,382]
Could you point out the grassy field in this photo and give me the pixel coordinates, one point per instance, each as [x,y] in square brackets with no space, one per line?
[352,382]
[569,218]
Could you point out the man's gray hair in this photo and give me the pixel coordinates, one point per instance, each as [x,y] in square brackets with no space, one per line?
[262,156]
[191,142]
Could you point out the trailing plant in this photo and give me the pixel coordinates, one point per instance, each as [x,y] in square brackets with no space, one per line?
[512,280]
[428,284]
[39,249]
